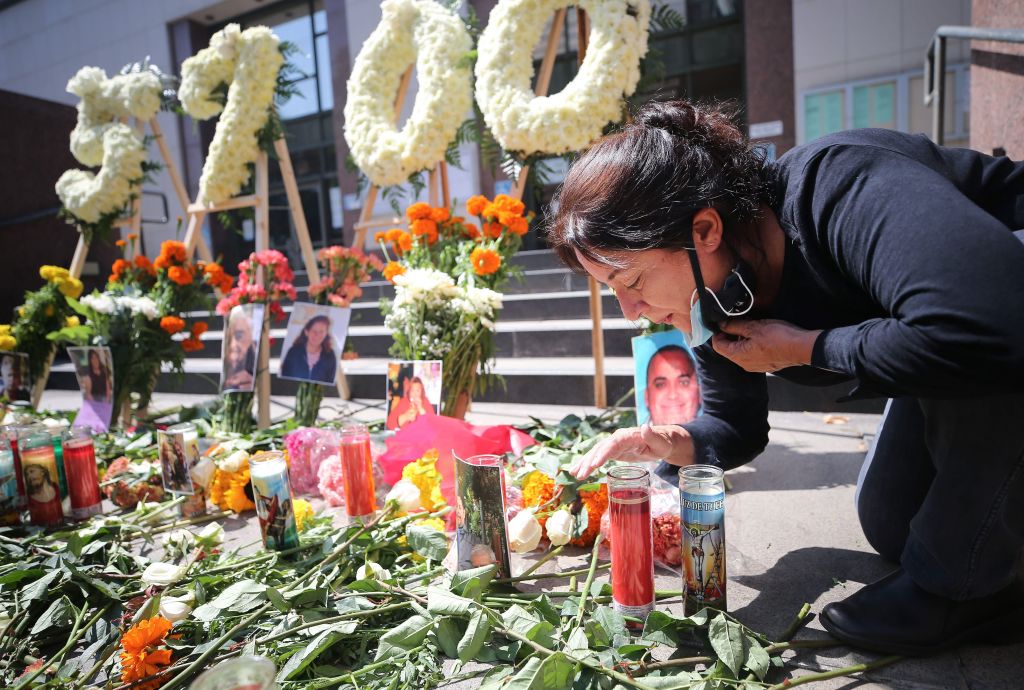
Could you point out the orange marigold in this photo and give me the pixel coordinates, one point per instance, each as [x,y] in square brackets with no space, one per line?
[120,243]
[142,262]
[538,488]
[174,249]
[172,324]
[380,237]
[119,267]
[192,344]
[475,205]
[505,203]
[405,241]
[393,269]
[596,502]
[492,230]
[393,234]
[139,656]
[440,214]
[470,230]
[485,261]
[199,327]
[424,227]
[419,210]
[180,275]
[518,225]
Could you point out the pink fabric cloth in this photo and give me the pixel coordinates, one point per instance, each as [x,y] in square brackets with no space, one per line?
[447,435]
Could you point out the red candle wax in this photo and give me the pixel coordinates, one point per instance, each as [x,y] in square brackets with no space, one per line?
[632,551]
[82,477]
[357,475]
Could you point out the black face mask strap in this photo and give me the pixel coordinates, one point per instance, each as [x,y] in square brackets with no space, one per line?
[710,311]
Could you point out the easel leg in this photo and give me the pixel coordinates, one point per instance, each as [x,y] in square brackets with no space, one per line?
[262,244]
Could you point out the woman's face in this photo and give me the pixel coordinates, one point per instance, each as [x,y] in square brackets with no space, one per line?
[95,365]
[416,391]
[672,394]
[658,284]
[241,339]
[315,335]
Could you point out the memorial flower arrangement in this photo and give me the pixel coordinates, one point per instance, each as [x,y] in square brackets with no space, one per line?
[264,278]
[343,270]
[140,316]
[44,311]
[93,201]
[447,273]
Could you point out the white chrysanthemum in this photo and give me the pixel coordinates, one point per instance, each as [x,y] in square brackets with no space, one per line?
[249,62]
[100,303]
[573,118]
[437,40]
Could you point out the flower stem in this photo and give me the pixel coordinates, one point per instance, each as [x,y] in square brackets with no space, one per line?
[836,673]
[541,561]
[546,576]
[334,619]
[588,582]
[76,635]
[797,623]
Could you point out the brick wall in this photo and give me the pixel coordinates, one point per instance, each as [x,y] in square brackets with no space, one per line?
[997,81]
[768,29]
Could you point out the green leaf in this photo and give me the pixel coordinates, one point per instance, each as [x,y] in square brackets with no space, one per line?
[546,609]
[578,641]
[307,654]
[19,575]
[667,629]
[612,621]
[38,589]
[240,597]
[729,642]
[471,583]
[477,633]
[60,614]
[448,635]
[405,637]
[444,603]
[757,660]
[496,677]
[427,542]
[278,600]
[555,672]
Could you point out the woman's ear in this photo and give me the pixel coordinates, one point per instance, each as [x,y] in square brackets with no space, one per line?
[707,230]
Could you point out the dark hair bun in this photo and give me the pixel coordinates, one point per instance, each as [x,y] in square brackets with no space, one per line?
[708,125]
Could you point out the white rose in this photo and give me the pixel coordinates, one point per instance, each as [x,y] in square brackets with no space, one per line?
[212,535]
[372,571]
[180,539]
[524,532]
[174,609]
[559,527]
[406,495]
[162,574]
[233,463]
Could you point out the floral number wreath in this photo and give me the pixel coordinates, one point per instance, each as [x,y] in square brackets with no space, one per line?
[572,119]
[439,44]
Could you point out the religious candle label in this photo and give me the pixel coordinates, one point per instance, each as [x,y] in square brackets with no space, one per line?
[274,507]
[632,552]
[481,533]
[703,517]
[40,469]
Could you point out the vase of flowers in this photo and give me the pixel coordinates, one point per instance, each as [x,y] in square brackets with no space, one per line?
[263,278]
[343,270]
[140,316]
[447,274]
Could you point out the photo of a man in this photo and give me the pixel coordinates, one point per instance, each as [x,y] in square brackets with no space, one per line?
[667,388]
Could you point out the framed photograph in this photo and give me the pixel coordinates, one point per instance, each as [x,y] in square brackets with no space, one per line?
[665,379]
[178,456]
[481,533]
[314,343]
[242,330]
[94,369]
[14,379]
[413,390]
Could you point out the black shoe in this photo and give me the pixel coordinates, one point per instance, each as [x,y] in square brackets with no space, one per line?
[895,616]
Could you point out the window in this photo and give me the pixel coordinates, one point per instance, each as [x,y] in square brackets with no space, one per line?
[893,102]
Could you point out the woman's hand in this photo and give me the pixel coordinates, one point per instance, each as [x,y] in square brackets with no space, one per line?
[666,442]
[764,346]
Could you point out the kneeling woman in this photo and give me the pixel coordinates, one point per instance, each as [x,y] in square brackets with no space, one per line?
[868,256]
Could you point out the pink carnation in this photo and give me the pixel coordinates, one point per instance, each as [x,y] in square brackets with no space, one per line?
[331,484]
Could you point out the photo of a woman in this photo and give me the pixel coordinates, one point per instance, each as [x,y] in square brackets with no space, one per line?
[312,357]
[411,405]
[96,384]
[412,388]
[14,376]
[241,345]
[94,369]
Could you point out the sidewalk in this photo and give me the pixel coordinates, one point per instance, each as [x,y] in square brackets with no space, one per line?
[792,537]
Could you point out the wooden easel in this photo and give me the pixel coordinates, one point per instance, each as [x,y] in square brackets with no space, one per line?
[260,202]
[543,84]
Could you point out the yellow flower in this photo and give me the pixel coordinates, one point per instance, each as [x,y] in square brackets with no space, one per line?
[22,311]
[435,523]
[5,328]
[53,273]
[303,513]
[70,287]
[425,475]
[8,342]
[72,321]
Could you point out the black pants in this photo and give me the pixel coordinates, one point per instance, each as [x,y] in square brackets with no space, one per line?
[942,492]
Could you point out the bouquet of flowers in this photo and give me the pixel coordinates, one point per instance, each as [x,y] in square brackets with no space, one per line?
[343,270]
[447,272]
[263,278]
[139,316]
[46,310]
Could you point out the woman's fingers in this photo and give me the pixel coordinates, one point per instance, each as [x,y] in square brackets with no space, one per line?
[624,444]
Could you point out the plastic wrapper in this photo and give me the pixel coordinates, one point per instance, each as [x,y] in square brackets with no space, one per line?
[666,526]
[307,448]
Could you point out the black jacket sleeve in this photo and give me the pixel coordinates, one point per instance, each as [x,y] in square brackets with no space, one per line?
[734,427]
[949,274]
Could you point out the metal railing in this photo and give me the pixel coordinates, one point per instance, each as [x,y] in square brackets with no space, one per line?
[935,67]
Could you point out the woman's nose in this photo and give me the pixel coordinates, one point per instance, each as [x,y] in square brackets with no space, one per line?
[632,309]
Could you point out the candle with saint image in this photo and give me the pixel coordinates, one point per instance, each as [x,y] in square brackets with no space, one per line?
[82,476]
[10,432]
[357,471]
[702,513]
[39,466]
[629,507]
[10,499]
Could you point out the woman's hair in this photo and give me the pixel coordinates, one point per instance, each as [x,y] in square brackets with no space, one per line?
[98,379]
[423,389]
[326,347]
[639,188]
